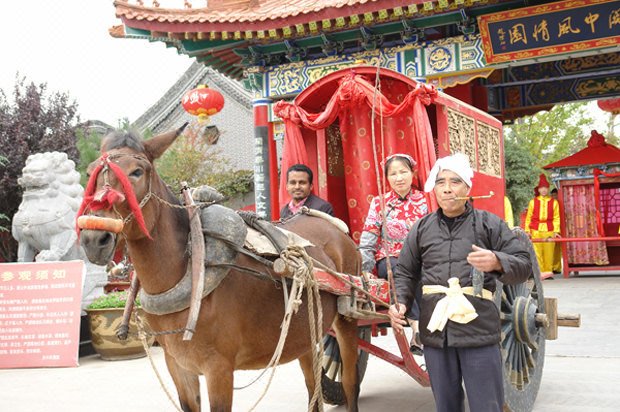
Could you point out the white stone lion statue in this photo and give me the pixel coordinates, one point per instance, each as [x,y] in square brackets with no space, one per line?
[44,224]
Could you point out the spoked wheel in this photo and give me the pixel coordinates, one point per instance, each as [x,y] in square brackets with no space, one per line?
[523,323]
[331,382]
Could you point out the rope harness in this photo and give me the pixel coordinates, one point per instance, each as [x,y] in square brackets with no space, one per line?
[302,265]
[297,258]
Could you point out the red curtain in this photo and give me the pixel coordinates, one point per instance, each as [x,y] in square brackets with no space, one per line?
[398,127]
[581,221]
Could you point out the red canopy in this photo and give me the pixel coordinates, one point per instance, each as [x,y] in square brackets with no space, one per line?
[597,152]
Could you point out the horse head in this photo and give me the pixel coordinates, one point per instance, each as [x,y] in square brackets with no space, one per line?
[120,193]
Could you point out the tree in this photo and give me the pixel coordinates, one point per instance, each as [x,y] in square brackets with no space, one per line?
[193,159]
[88,144]
[190,159]
[4,219]
[33,122]
[552,135]
[535,141]
[521,176]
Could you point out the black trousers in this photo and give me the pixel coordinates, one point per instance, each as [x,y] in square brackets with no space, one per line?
[481,370]
[414,311]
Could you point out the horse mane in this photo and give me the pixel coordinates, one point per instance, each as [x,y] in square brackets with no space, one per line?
[122,138]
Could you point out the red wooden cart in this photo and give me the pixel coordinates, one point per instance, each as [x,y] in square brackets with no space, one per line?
[340,126]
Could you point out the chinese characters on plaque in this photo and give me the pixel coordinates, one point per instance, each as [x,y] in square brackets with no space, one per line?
[40,314]
[550,29]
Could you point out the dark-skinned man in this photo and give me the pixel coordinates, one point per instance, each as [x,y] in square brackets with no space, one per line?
[299,186]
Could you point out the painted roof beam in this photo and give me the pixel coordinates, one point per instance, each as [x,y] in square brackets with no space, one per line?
[294,53]
[553,79]
[370,40]
[445,19]
[364,34]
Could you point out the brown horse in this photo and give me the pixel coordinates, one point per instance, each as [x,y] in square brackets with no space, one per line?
[239,322]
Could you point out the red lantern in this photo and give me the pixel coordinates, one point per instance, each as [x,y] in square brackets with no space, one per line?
[203,102]
[610,105]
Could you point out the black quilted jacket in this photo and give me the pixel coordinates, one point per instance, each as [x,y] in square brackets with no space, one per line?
[433,253]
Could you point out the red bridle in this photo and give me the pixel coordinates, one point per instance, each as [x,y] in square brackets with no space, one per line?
[107,197]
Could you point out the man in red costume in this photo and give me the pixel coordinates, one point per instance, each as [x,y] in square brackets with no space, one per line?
[543,222]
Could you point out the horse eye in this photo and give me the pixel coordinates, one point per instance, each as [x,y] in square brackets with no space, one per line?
[136,173]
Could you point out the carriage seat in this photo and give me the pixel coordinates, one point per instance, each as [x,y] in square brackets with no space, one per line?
[260,244]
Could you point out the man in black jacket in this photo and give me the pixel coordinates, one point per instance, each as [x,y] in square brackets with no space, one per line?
[299,186]
[447,251]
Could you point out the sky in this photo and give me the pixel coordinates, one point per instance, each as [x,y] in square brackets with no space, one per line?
[66,44]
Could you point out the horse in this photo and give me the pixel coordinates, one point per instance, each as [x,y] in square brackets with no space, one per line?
[239,322]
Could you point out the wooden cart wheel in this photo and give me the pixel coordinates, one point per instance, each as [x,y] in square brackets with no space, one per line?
[332,367]
[523,335]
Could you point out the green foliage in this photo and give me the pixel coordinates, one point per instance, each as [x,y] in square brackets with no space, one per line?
[88,145]
[521,176]
[111,300]
[552,135]
[535,141]
[193,160]
[3,218]
[232,183]
[613,123]
[34,121]
[124,124]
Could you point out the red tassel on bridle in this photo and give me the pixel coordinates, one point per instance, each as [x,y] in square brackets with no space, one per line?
[107,196]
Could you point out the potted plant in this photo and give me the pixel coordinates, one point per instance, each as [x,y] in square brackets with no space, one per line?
[105,315]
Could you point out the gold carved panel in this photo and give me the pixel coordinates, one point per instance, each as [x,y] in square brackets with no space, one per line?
[488,150]
[462,135]
[335,161]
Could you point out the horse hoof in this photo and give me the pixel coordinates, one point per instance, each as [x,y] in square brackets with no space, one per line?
[122,332]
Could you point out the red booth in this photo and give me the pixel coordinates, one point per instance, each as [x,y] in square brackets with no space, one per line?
[588,185]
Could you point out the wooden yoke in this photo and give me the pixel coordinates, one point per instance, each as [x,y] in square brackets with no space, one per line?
[197,262]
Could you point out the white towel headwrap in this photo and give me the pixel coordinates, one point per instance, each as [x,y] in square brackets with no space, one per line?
[458,163]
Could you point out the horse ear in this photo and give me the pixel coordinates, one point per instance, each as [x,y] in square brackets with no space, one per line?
[157,145]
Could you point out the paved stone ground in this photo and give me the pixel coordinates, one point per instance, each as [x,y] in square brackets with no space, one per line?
[581,372]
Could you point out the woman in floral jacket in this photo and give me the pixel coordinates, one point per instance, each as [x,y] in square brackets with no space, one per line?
[404,205]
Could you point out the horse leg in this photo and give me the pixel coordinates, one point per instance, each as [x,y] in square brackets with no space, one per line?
[219,376]
[346,335]
[305,361]
[187,384]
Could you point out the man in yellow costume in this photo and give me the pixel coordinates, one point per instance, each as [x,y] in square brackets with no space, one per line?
[542,221]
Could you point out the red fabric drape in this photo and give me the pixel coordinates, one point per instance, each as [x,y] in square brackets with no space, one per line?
[581,221]
[406,128]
